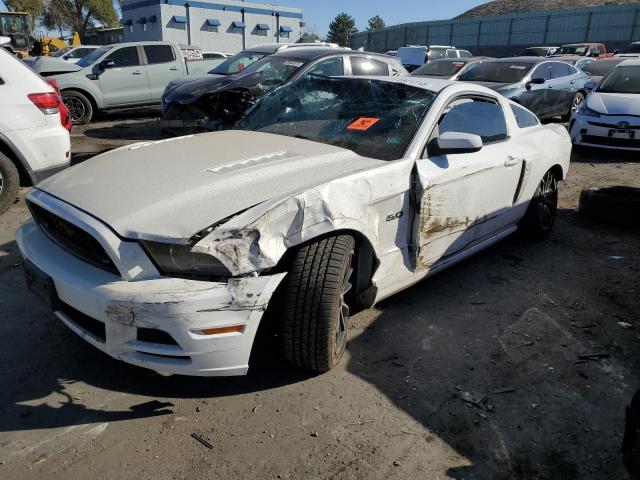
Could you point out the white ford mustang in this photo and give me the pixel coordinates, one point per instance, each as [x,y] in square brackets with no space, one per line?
[333,194]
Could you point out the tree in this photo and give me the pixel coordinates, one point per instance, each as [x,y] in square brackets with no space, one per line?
[340,28]
[78,15]
[375,23]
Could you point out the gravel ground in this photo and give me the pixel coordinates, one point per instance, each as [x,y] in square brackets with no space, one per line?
[473,373]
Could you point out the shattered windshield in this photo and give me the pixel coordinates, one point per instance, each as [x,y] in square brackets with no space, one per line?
[624,79]
[237,63]
[93,56]
[500,72]
[373,118]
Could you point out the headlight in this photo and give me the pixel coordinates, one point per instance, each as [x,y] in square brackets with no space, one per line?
[180,260]
[584,110]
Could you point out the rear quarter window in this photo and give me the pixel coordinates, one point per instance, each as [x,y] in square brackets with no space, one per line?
[524,118]
[159,54]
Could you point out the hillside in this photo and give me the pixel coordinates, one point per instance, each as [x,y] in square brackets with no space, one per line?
[500,7]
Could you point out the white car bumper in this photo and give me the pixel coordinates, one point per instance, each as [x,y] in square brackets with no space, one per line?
[605,131]
[154,322]
[44,150]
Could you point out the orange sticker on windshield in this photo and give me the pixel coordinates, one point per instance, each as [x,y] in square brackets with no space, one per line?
[363,123]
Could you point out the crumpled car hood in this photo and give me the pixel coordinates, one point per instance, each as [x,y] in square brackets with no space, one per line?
[614,103]
[190,91]
[173,189]
[192,80]
[52,64]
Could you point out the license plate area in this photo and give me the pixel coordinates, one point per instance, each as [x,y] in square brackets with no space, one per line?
[617,133]
[41,284]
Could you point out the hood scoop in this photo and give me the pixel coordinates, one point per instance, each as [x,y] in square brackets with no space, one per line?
[256,161]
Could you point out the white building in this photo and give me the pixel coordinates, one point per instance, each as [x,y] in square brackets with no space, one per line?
[213,25]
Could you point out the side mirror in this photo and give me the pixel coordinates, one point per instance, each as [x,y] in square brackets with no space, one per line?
[590,85]
[534,81]
[108,63]
[458,142]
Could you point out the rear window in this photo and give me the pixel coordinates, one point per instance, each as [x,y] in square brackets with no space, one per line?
[501,72]
[365,66]
[159,54]
[440,68]
[524,118]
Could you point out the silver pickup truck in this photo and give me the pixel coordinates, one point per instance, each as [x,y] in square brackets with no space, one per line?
[125,75]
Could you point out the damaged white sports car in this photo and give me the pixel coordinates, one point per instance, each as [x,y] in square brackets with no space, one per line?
[333,194]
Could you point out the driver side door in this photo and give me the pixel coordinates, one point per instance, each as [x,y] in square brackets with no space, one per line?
[126,82]
[536,97]
[465,197]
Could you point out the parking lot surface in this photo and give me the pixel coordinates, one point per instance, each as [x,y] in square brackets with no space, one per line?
[515,364]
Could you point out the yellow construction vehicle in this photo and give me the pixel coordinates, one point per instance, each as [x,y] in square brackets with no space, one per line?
[16,26]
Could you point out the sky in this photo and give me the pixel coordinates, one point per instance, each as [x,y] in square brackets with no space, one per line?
[318,13]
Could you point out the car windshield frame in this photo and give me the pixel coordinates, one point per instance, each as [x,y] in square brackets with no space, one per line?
[224,67]
[93,56]
[489,72]
[372,117]
[608,83]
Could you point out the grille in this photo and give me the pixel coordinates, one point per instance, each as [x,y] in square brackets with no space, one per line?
[85,322]
[611,142]
[73,239]
[614,125]
[152,335]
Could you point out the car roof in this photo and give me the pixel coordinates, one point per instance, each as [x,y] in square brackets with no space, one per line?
[309,53]
[276,47]
[461,59]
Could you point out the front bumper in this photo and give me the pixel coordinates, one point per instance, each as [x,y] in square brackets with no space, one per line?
[603,132]
[154,322]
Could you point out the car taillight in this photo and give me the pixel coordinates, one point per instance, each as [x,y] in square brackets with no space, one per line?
[65,117]
[48,103]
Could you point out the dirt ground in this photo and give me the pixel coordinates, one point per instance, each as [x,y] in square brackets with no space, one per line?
[472,374]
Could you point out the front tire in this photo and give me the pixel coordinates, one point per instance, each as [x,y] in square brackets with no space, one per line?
[541,214]
[80,107]
[316,314]
[578,98]
[9,183]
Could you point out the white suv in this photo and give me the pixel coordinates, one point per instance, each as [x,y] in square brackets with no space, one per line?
[34,143]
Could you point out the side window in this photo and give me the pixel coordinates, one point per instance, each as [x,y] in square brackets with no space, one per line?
[331,67]
[125,57]
[572,70]
[542,71]
[559,70]
[524,118]
[367,66]
[159,54]
[479,116]
[452,53]
[465,53]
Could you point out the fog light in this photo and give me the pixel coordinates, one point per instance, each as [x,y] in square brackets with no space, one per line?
[220,330]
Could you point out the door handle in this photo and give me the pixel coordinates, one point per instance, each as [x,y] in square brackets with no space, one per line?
[174,69]
[572,82]
[550,86]
[136,73]
[511,161]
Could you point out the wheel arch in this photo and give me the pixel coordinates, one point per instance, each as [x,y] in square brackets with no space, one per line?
[86,93]
[366,262]
[7,147]
[558,171]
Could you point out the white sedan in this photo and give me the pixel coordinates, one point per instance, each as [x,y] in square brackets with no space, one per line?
[610,115]
[332,194]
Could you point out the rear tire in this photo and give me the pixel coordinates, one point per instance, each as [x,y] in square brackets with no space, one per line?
[80,107]
[541,214]
[316,315]
[9,183]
